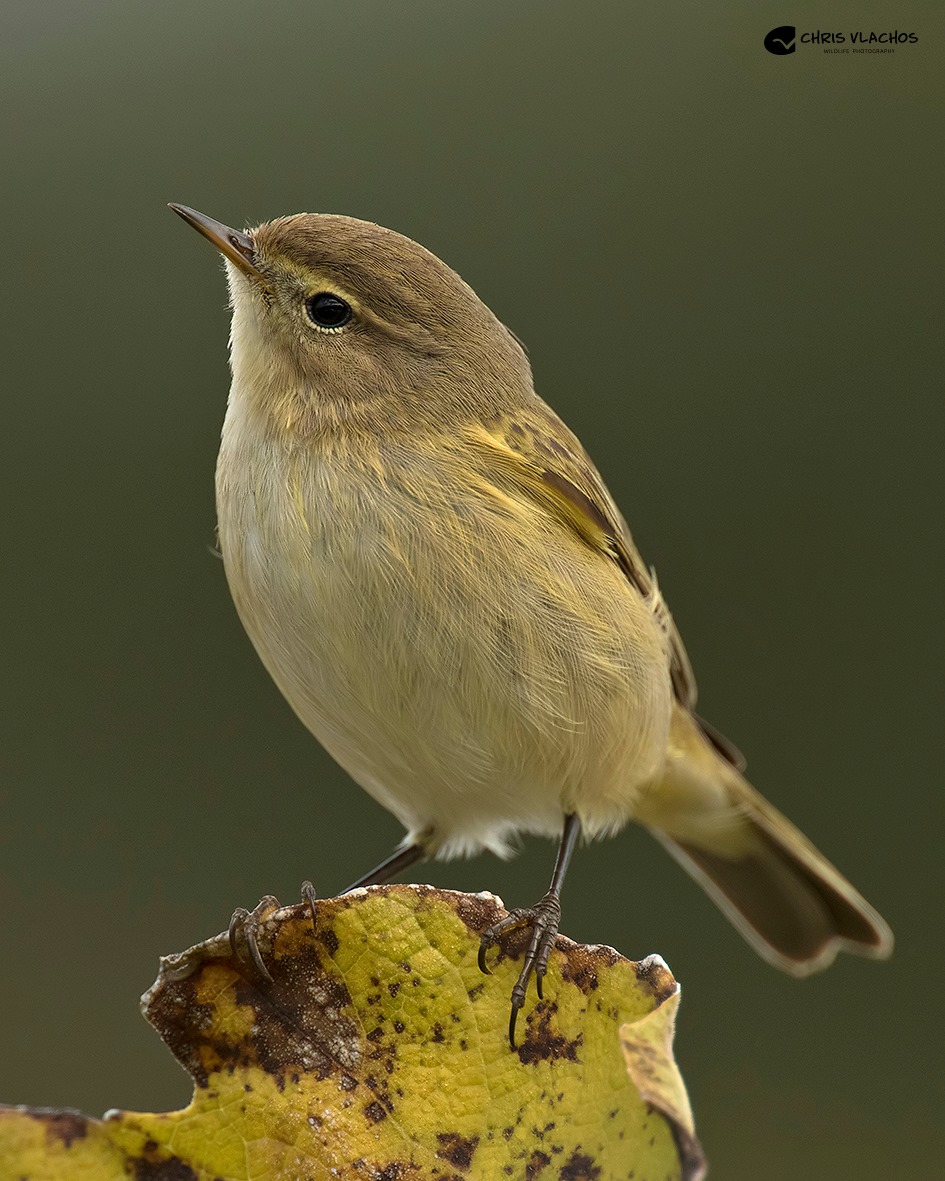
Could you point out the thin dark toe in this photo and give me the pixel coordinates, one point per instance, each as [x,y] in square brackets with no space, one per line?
[237,930]
[491,935]
[309,896]
[252,946]
[513,1018]
[242,935]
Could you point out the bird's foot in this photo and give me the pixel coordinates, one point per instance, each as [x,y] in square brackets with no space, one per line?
[543,919]
[244,928]
[243,933]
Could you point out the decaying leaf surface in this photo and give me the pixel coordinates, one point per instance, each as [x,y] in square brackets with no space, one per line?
[379,1051]
[648,1049]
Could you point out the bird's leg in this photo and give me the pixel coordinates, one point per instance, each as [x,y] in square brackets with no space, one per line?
[543,919]
[401,858]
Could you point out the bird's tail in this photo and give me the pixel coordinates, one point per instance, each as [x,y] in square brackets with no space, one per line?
[784,896]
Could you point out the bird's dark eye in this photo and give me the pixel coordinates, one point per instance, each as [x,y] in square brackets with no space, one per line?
[328,311]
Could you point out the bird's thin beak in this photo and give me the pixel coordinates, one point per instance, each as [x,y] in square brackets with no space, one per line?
[235,245]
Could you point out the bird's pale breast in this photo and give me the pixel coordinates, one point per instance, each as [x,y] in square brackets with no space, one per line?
[471,663]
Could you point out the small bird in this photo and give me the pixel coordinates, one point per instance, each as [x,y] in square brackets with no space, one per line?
[436,577]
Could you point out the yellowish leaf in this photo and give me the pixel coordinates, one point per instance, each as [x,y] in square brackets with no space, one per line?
[379,1051]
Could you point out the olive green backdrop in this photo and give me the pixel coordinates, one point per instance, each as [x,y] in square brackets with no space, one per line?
[727,267]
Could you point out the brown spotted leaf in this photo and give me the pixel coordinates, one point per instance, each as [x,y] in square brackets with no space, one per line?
[379,1051]
[648,1049]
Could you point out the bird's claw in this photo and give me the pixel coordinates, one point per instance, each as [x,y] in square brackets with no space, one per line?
[543,919]
[244,929]
[309,896]
[243,936]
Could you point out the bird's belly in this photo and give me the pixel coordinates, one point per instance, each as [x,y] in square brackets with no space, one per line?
[473,684]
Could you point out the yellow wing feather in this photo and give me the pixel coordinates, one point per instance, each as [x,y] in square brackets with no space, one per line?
[546,461]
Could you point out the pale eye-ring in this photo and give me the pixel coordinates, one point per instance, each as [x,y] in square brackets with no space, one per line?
[328,311]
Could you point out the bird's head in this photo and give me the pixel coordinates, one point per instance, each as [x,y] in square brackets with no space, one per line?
[336,319]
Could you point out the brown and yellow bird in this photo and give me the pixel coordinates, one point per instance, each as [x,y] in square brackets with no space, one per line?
[436,577]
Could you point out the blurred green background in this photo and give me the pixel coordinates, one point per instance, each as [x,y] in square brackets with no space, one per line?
[727,267]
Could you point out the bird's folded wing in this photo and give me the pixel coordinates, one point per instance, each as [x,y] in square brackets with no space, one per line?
[542,458]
